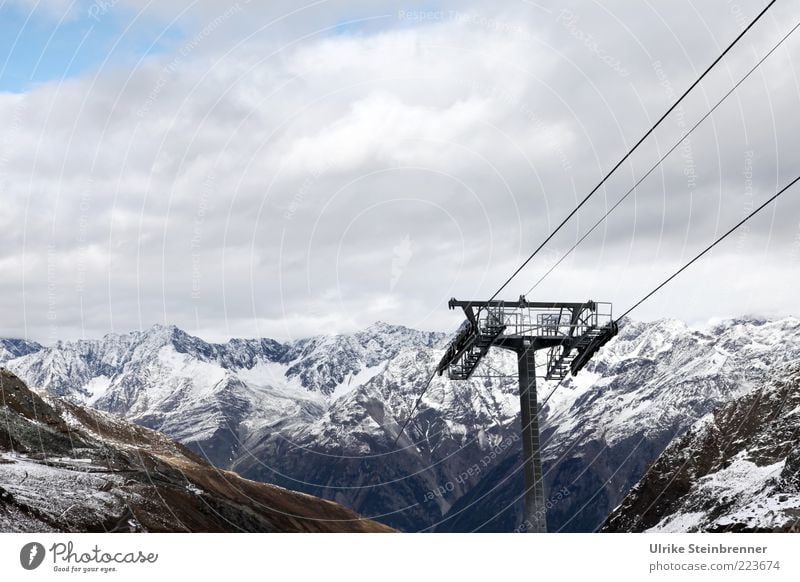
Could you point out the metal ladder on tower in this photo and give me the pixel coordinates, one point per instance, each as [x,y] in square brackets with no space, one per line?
[487,334]
[562,357]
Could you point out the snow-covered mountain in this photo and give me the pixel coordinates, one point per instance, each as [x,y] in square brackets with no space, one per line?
[321,415]
[64,468]
[644,390]
[736,469]
[202,393]
[15,348]
[605,426]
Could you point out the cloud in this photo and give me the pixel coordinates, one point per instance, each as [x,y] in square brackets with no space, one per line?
[276,184]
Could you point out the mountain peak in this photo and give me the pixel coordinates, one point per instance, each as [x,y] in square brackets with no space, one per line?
[383,327]
[342,395]
[46,487]
[160,329]
[15,348]
[162,335]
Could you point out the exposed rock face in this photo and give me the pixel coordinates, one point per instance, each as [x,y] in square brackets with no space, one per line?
[68,469]
[321,415]
[15,348]
[604,427]
[737,469]
[348,453]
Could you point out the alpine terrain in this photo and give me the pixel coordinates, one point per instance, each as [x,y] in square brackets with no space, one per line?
[64,468]
[321,415]
[737,469]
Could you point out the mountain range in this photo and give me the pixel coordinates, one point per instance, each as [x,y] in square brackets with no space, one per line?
[736,469]
[65,468]
[321,415]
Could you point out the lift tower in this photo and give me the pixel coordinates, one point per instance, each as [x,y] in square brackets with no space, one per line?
[570,332]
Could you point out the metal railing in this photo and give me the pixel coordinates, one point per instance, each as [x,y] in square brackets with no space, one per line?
[545,322]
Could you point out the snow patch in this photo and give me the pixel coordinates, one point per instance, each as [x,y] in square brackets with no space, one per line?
[96,388]
[680,523]
[269,375]
[742,475]
[746,487]
[353,381]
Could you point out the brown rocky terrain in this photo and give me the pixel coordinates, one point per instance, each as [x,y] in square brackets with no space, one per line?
[65,468]
[737,469]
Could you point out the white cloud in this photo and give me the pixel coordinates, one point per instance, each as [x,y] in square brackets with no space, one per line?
[252,182]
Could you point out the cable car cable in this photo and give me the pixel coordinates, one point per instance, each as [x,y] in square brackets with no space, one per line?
[661,160]
[631,151]
[687,265]
[595,189]
[711,246]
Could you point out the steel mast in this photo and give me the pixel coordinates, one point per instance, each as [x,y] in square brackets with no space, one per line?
[570,332]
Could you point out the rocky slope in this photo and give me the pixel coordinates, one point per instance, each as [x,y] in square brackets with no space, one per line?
[604,427]
[321,415]
[737,469]
[348,453]
[14,348]
[67,469]
[202,393]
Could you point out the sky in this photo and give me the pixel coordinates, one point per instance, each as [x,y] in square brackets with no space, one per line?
[253,169]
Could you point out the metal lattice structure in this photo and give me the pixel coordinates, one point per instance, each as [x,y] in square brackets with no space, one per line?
[570,332]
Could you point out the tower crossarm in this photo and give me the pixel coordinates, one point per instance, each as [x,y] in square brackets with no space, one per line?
[572,331]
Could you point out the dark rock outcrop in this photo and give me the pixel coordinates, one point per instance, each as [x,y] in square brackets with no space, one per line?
[738,469]
[65,468]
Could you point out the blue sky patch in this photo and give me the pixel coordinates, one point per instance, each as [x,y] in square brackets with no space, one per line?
[39,47]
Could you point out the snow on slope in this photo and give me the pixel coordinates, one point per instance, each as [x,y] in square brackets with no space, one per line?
[69,469]
[15,348]
[737,469]
[212,395]
[745,486]
[322,414]
[654,376]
